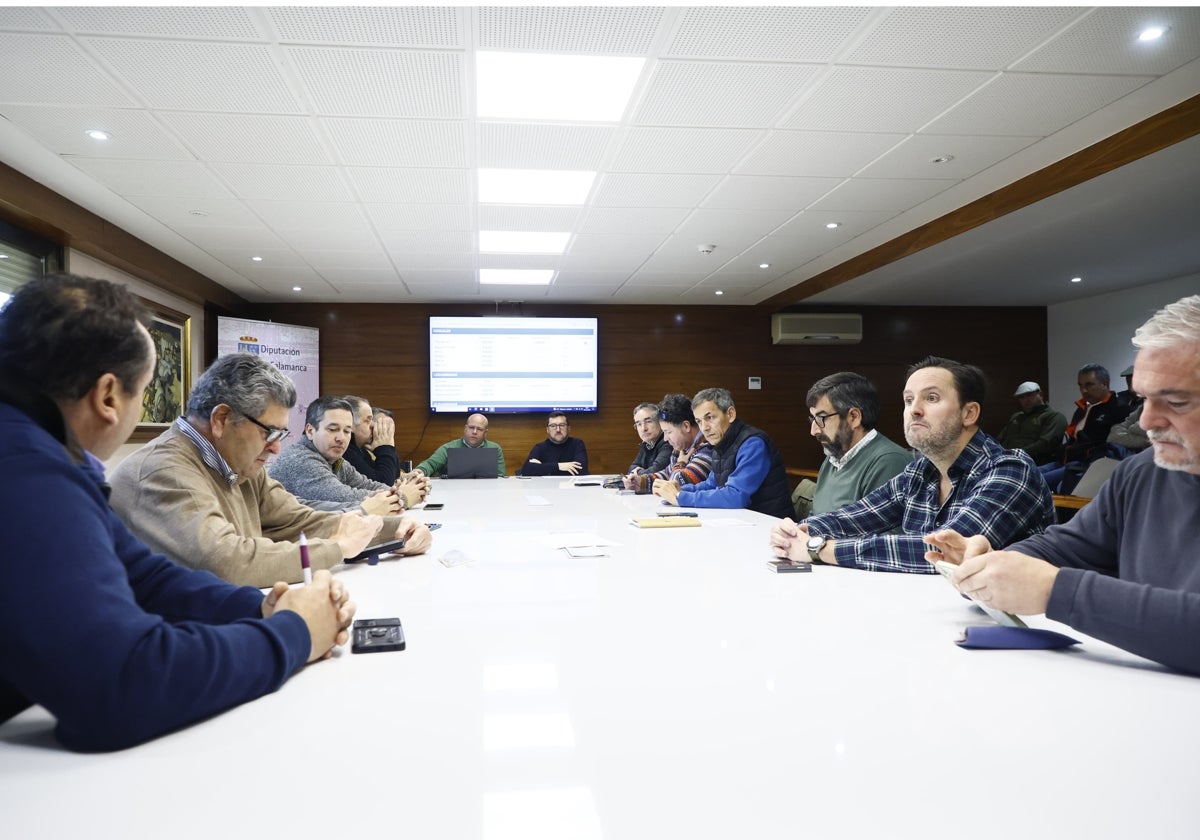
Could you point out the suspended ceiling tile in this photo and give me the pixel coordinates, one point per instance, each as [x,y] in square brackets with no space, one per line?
[248,138]
[690,93]
[53,69]
[198,75]
[381,83]
[415,143]
[816,153]
[284,182]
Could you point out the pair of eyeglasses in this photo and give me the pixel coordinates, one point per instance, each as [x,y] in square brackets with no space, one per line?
[557,425]
[273,434]
[476,428]
[821,418]
[644,424]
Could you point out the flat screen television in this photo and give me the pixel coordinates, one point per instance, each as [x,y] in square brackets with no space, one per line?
[498,365]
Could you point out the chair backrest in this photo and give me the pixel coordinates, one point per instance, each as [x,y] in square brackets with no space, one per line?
[1093,479]
[802,498]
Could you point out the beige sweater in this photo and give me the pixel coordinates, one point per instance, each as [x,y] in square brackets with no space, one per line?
[246,534]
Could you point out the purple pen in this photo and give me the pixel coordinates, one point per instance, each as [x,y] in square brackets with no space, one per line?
[304,565]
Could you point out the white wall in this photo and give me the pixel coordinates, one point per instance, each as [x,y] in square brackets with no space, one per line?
[86,266]
[1099,329]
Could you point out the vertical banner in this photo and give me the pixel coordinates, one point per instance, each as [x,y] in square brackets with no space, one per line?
[294,350]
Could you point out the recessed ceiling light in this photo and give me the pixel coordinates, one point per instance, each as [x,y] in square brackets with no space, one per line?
[256,259]
[942,159]
[1076,279]
[718,292]
[200,213]
[522,242]
[833,225]
[764,265]
[554,87]
[1152,33]
[296,289]
[3,256]
[97,134]
[534,186]
[516,276]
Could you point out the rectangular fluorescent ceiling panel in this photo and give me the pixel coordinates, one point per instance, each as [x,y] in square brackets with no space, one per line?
[535,86]
[516,276]
[534,186]
[522,242]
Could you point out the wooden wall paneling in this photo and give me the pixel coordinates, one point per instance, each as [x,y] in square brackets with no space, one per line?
[381,352]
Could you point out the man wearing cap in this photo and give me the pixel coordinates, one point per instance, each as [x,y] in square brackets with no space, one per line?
[1036,428]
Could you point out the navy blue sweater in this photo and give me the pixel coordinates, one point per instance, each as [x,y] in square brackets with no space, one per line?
[552,454]
[118,643]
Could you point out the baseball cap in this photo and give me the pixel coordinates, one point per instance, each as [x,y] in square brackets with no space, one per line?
[1026,388]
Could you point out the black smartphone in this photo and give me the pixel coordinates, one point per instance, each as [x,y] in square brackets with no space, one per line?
[371,553]
[376,635]
[789,566]
[434,505]
[671,512]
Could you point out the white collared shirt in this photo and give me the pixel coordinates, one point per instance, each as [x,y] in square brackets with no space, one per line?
[838,463]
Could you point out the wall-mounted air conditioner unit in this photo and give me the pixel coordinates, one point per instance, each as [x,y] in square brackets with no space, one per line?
[815,328]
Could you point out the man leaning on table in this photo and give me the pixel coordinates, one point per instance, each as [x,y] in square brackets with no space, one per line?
[315,470]
[747,470]
[199,492]
[1124,569]
[118,643]
[963,480]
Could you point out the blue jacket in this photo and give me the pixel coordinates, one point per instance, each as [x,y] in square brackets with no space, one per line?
[118,643]
[747,472]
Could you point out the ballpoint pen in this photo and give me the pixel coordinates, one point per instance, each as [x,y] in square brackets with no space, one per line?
[304,565]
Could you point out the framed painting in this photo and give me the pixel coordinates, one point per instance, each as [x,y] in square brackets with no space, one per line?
[167,393]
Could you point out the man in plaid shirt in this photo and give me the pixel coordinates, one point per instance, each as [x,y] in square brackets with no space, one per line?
[963,480]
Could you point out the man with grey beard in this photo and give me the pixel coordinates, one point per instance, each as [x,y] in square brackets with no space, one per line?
[842,411]
[1124,569]
[962,476]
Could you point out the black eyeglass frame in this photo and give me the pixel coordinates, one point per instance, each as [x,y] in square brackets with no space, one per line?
[273,434]
[821,418]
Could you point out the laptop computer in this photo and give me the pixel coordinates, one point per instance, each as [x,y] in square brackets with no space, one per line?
[464,462]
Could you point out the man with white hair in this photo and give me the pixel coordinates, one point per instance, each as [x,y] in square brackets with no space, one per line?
[1124,568]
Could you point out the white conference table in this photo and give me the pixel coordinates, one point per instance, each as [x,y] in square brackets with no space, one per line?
[676,688]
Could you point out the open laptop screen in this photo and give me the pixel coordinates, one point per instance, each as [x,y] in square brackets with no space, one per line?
[464,462]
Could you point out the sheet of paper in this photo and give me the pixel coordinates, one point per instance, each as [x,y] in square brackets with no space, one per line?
[571,539]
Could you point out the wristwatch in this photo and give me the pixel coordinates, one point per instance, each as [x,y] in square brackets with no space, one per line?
[814,545]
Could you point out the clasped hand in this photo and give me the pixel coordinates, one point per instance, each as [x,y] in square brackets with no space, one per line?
[324,605]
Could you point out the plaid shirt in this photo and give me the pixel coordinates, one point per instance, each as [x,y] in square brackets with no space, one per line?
[995,491]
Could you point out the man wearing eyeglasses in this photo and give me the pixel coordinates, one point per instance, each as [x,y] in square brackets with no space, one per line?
[474,437]
[559,453]
[843,409]
[654,452]
[199,493]
[963,480]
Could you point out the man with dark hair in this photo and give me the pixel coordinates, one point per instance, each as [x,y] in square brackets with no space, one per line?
[691,461]
[313,469]
[559,453]
[1097,411]
[747,470]
[1036,428]
[843,409]
[373,450]
[963,480]
[118,643]
[199,492]
[1123,569]
[654,453]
